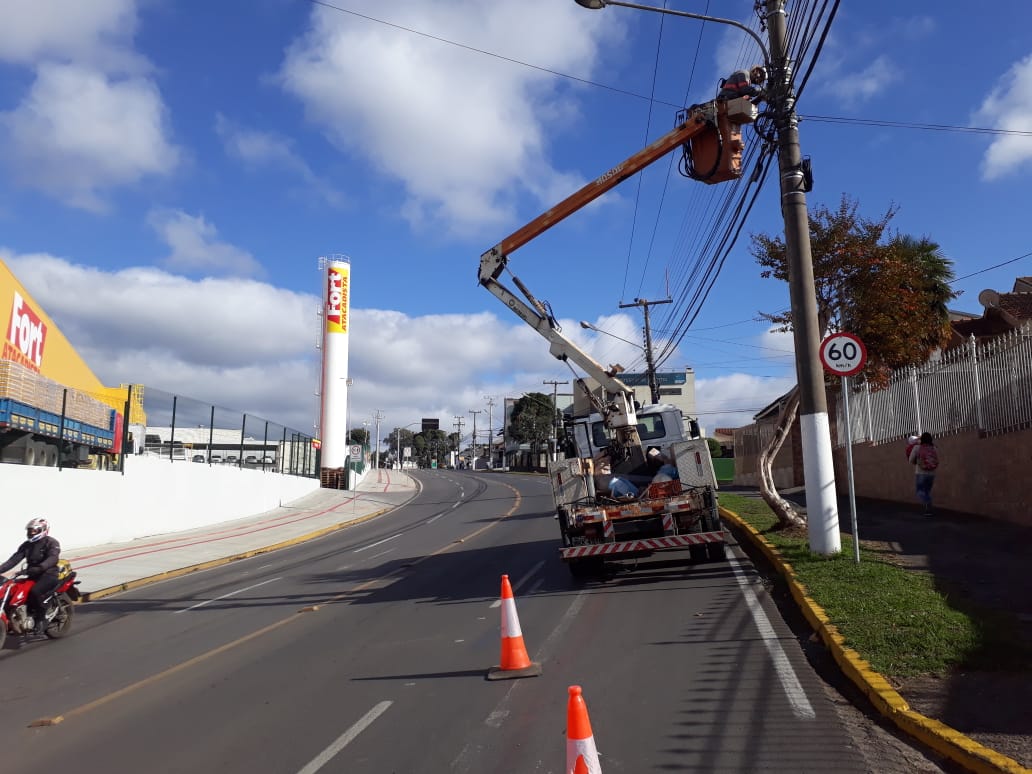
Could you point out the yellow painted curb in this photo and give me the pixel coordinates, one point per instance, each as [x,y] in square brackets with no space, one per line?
[954,745]
[89,596]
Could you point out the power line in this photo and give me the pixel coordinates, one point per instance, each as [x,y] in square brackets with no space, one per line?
[990,268]
[909,125]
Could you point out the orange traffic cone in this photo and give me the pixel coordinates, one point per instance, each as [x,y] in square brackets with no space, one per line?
[515,661]
[581,755]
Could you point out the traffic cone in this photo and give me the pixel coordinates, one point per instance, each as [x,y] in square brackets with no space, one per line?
[581,755]
[514,662]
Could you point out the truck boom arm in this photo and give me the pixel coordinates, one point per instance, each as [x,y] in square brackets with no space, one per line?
[620,413]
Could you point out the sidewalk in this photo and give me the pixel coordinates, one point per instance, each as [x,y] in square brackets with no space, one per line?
[981,565]
[106,569]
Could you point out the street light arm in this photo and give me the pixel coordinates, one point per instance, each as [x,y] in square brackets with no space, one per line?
[598,4]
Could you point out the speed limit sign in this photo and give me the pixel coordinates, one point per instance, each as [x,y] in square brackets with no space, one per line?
[355,450]
[843,354]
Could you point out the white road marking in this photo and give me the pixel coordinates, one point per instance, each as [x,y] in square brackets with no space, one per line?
[521,581]
[382,553]
[377,543]
[346,738]
[463,762]
[782,666]
[224,596]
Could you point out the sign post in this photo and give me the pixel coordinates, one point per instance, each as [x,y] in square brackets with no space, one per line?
[843,354]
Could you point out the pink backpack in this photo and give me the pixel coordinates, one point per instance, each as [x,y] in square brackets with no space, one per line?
[927,458]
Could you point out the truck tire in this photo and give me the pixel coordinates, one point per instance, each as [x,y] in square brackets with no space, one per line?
[586,568]
[698,553]
[49,454]
[715,552]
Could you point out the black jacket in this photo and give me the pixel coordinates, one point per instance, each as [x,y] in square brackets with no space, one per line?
[40,556]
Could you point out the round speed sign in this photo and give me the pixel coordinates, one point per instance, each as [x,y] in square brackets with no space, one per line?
[843,354]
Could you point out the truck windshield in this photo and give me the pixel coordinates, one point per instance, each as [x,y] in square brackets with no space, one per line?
[651,426]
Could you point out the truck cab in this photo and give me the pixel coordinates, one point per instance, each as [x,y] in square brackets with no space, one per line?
[659,426]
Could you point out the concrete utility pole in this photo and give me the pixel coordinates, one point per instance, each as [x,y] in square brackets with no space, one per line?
[474,444]
[555,417]
[490,431]
[378,416]
[459,422]
[818,465]
[649,363]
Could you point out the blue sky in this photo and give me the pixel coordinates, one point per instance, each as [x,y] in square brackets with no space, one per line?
[173,170]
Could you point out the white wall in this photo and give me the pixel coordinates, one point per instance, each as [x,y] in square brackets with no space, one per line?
[155,496]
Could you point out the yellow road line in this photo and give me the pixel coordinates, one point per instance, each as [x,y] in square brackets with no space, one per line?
[54,720]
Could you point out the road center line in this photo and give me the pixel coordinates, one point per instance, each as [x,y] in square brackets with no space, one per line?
[346,738]
[225,596]
[793,689]
[377,543]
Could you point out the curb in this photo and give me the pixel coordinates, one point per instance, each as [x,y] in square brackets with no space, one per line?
[957,747]
[90,596]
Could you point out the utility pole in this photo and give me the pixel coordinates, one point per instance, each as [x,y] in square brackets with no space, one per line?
[378,416]
[459,422]
[555,417]
[818,467]
[474,443]
[650,365]
[490,431]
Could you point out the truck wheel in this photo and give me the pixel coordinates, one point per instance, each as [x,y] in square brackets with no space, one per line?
[586,568]
[715,552]
[30,454]
[697,553]
[49,455]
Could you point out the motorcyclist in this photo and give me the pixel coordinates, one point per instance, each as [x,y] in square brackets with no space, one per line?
[40,552]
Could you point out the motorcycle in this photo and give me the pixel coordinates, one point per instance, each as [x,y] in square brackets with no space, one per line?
[14,614]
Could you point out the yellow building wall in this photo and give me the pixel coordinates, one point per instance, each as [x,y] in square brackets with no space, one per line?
[32,339]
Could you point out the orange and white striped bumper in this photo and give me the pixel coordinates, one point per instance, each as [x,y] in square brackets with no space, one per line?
[643,545]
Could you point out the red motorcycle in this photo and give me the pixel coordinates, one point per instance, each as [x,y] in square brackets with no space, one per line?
[14,615]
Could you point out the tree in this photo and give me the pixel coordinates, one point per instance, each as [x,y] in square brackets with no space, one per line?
[889,289]
[533,418]
[359,435]
[714,447]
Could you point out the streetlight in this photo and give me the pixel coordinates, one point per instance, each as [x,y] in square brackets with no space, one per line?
[650,369]
[818,462]
[490,432]
[397,434]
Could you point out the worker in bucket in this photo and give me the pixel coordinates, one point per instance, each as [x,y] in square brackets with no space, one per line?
[744,83]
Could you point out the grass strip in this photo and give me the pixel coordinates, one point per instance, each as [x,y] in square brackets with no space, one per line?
[896,619]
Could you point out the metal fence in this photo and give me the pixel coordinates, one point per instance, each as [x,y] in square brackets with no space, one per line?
[184,429]
[979,386]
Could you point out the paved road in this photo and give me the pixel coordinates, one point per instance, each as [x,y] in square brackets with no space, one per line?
[365,651]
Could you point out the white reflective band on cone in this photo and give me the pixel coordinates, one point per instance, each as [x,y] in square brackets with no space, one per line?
[510,621]
[583,752]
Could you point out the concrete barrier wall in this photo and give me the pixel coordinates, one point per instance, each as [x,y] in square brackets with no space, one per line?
[155,496]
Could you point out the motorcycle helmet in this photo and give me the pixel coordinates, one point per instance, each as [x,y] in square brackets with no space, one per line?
[37,529]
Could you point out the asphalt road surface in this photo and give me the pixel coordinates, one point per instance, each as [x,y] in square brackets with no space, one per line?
[367,650]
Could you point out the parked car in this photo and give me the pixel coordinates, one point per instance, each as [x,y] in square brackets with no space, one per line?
[199,458]
[216,458]
[250,460]
[268,461]
[232,459]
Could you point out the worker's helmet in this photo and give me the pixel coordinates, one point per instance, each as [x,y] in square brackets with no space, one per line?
[37,529]
[758,74]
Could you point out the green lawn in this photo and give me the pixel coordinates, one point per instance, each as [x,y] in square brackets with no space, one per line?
[724,467]
[894,618]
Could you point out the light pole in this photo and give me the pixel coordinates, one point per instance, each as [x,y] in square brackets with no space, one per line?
[376,453]
[397,435]
[818,463]
[650,371]
[490,431]
[474,413]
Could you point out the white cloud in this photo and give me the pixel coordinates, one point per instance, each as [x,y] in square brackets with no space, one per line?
[97,32]
[251,347]
[1008,106]
[733,400]
[79,131]
[196,248]
[463,133]
[258,149]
